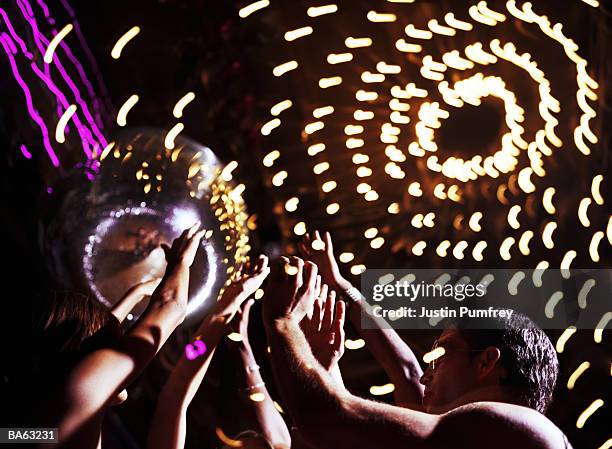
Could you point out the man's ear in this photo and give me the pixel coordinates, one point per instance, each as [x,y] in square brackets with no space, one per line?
[488,360]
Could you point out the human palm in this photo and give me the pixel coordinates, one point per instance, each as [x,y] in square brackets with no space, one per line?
[324,330]
[249,278]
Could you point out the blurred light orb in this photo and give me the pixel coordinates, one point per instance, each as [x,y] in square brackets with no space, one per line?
[106,233]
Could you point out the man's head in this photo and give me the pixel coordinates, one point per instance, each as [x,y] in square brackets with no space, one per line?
[511,360]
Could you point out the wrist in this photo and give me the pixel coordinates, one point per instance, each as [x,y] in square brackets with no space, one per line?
[341,284]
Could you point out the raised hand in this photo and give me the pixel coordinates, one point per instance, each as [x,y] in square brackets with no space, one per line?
[321,252]
[184,248]
[248,279]
[291,291]
[325,329]
[240,323]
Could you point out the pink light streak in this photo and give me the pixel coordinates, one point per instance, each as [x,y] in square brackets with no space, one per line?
[10,49]
[25,152]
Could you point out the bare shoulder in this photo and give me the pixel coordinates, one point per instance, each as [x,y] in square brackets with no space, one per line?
[483,424]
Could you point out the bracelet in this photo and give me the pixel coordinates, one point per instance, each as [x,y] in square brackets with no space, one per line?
[254,387]
[252,368]
[352,294]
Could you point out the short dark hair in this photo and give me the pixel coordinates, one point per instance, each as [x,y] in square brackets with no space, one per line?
[527,354]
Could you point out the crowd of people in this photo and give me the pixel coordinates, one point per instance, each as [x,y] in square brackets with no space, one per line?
[488,387]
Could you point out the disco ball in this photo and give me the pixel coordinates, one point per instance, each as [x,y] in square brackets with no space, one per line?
[139,192]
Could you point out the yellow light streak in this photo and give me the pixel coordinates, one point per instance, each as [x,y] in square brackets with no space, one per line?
[504,249]
[253,7]
[594,245]
[415,33]
[285,67]
[368,77]
[514,282]
[63,122]
[323,111]
[123,110]
[362,95]
[450,19]
[586,414]
[352,143]
[339,58]
[354,344]
[356,270]
[600,326]
[376,17]
[459,248]
[182,103]
[435,27]
[547,200]
[123,41]
[351,130]
[279,178]
[376,390]
[434,354]
[479,17]
[442,248]
[315,149]
[267,128]
[595,192]
[576,374]
[320,168]
[566,262]
[394,208]
[549,309]
[280,107]
[292,35]
[524,242]
[474,222]
[50,51]
[316,11]
[298,229]
[171,136]
[563,338]
[227,440]
[385,68]
[372,195]
[332,208]
[363,115]
[352,42]
[325,83]
[512,216]
[547,233]
[583,209]
[313,127]
[406,47]
[329,186]
[478,249]
[291,204]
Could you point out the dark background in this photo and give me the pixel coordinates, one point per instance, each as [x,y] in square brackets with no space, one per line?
[205,47]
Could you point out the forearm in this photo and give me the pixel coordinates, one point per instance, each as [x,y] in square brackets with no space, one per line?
[391,351]
[270,421]
[169,425]
[312,397]
[124,306]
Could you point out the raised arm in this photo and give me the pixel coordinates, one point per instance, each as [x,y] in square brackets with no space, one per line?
[132,297]
[329,416]
[255,393]
[169,425]
[387,347]
[102,374]
[324,330]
